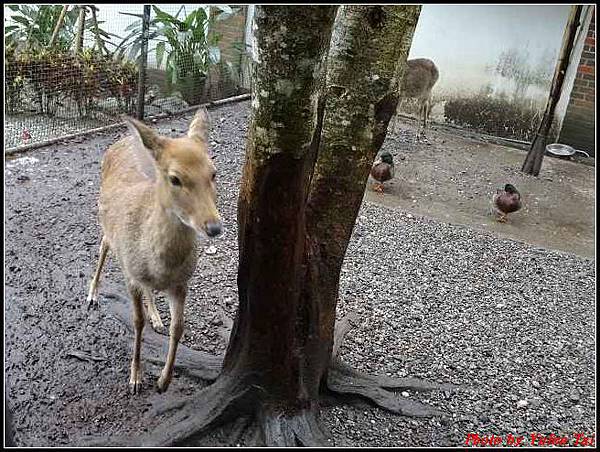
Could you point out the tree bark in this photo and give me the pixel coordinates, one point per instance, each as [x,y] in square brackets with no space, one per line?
[59,23]
[366,63]
[272,207]
[80,30]
[318,118]
[535,156]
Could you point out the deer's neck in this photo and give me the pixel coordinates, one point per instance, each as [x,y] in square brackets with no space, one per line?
[172,239]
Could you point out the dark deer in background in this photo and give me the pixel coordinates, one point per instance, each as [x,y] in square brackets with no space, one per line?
[419,79]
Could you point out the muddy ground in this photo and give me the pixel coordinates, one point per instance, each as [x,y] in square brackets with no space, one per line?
[67,369]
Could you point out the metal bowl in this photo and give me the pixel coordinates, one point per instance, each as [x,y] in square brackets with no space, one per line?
[563,150]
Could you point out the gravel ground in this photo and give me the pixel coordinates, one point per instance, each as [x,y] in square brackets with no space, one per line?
[510,323]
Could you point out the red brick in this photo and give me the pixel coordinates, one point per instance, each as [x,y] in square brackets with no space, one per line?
[590,41]
[587,69]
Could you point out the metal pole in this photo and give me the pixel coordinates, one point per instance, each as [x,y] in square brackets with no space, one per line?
[143,62]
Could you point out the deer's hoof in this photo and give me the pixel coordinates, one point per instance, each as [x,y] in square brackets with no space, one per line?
[92,303]
[135,383]
[135,387]
[162,384]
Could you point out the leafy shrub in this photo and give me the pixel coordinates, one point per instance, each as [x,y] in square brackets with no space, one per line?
[58,77]
[185,47]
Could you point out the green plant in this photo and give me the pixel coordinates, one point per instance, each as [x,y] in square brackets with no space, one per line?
[185,47]
[33,26]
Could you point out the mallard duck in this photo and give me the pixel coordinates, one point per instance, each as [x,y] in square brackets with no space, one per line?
[382,170]
[506,201]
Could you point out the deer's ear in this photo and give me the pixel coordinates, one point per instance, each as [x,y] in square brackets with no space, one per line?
[145,136]
[199,126]
[147,147]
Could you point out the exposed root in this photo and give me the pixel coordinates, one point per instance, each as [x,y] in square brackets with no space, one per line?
[343,379]
[300,428]
[238,398]
[155,346]
[276,430]
[341,329]
[226,326]
[221,402]
[240,426]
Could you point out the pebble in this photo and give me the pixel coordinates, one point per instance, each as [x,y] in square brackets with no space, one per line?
[455,273]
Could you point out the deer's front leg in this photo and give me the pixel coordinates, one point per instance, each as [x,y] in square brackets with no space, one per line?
[176,304]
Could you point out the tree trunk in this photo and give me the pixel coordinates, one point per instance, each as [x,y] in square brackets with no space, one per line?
[59,23]
[318,119]
[268,335]
[535,156]
[80,30]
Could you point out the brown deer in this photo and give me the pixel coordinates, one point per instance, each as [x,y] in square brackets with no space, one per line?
[157,195]
[419,79]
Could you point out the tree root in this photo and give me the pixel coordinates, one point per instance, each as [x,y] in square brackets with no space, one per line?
[238,399]
[300,428]
[344,380]
[220,402]
[194,363]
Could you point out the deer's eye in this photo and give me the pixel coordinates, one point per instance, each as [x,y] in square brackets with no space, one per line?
[175,181]
[214,176]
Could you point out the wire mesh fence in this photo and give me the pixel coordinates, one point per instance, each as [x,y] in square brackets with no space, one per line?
[72,68]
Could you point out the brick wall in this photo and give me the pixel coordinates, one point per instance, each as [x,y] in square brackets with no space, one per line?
[579,127]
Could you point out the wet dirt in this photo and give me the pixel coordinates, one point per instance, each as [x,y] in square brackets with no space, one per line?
[67,369]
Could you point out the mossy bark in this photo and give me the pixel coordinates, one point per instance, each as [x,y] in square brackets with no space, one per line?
[272,202]
[318,119]
[365,65]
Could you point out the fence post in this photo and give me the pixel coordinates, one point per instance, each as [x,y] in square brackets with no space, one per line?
[143,62]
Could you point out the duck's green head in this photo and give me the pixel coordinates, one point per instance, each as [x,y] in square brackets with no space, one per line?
[509,188]
[386,157]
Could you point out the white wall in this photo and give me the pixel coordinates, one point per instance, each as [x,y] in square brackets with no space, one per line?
[465,39]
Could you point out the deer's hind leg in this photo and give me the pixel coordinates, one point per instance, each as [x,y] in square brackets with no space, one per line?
[92,298]
[152,312]
[135,379]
